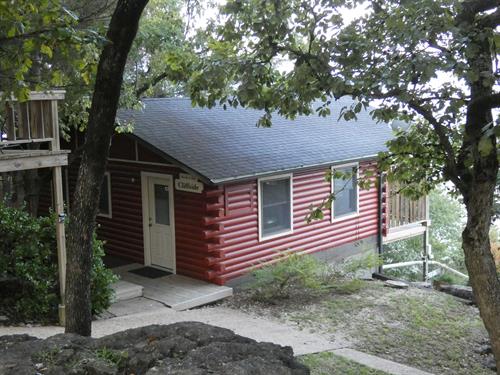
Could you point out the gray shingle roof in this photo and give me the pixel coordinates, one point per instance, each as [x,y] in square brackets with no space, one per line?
[222,145]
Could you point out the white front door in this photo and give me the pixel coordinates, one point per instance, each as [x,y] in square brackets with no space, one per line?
[160,222]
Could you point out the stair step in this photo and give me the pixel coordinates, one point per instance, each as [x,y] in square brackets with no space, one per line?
[125,290]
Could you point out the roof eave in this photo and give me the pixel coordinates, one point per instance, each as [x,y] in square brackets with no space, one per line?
[294,169]
[172,160]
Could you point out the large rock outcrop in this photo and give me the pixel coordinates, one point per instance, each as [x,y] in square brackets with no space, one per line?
[188,348]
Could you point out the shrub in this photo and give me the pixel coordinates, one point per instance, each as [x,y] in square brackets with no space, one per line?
[101,292]
[29,284]
[293,273]
[290,272]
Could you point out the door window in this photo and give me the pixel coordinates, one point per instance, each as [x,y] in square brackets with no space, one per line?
[162,204]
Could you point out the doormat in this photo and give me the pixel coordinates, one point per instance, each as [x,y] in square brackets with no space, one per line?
[150,272]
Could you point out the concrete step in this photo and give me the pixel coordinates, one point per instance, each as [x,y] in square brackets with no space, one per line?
[125,290]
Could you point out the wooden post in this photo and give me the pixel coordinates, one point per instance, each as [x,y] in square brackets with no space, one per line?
[425,255]
[61,243]
[59,209]
[380,218]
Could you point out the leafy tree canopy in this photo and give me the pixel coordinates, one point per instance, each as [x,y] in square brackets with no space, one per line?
[420,60]
[56,44]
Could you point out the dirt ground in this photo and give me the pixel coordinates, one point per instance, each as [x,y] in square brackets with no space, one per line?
[418,327]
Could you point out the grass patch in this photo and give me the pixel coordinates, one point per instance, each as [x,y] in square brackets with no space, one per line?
[416,329]
[327,363]
[421,328]
[113,357]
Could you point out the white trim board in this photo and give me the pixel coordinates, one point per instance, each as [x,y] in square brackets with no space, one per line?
[145,215]
[259,213]
[109,214]
[335,219]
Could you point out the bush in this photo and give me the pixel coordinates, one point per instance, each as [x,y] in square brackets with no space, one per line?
[293,273]
[29,283]
[290,273]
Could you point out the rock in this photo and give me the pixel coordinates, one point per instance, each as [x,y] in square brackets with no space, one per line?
[187,348]
[489,362]
[484,349]
[97,366]
[396,284]
[421,284]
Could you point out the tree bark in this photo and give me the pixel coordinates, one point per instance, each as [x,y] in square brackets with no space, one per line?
[480,263]
[121,33]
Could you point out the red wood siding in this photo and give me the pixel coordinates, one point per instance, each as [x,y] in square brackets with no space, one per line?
[239,247]
[216,231]
[123,232]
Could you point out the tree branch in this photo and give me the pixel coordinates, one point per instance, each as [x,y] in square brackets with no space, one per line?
[486,102]
[471,8]
[491,20]
[451,169]
[31,34]
[145,87]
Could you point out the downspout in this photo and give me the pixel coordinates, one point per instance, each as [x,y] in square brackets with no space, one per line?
[380,218]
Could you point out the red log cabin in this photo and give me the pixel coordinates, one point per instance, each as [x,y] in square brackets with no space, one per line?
[207,194]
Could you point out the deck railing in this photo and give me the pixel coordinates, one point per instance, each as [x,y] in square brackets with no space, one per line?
[27,122]
[402,210]
[31,121]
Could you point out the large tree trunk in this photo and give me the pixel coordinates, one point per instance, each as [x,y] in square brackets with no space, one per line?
[121,33]
[480,263]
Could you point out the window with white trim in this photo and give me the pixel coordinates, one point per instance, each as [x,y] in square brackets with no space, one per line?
[345,189]
[105,198]
[275,206]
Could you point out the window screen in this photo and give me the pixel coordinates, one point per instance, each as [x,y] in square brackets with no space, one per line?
[275,212]
[346,193]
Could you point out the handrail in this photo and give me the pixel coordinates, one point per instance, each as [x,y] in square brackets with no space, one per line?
[421,262]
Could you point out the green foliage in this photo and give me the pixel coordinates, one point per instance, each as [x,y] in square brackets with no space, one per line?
[289,273]
[114,357]
[102,278]
[29,272]
[27,253]
[293,274]
[419,60]
[447,221]
[348,286]
[325,363]
[449,278]
[154,61]
[45,44]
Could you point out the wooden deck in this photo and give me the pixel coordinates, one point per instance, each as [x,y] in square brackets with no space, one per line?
[175,291]
[404,217]
[405,232]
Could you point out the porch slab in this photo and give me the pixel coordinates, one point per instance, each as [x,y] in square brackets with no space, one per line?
[175,291]
[125,290]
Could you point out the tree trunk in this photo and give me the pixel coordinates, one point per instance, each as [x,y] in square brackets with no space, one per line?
[121,33]
[480,263]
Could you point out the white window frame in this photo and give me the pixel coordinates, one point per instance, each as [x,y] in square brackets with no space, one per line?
[335,219]
[109,215]
[288,176]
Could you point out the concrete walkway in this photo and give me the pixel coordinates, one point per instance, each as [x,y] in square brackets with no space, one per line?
[378,363]
[257,328]
[142,312]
